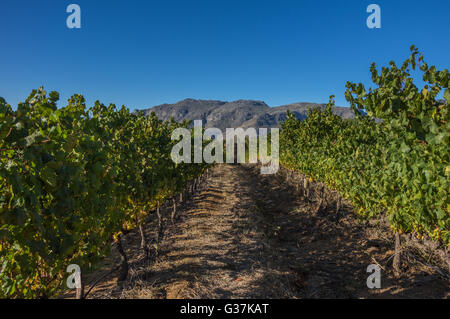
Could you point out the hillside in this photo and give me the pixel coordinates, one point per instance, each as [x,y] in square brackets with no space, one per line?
[240,113]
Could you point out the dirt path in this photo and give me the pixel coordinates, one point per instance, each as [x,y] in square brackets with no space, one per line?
[246,235]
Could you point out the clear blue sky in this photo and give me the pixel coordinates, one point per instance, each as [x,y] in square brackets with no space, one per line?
[144,53]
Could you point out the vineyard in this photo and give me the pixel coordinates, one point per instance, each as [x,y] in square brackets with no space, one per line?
[72,180]
[398,166]
[75,179]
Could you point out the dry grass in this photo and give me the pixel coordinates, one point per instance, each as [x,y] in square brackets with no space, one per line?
[246,235]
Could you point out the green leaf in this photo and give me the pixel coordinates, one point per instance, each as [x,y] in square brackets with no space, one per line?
[48,176]
[404,148]
[447,96]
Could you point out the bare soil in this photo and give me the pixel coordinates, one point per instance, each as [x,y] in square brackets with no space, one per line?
[247,235]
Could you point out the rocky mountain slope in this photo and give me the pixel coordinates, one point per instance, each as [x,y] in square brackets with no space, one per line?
[241,113]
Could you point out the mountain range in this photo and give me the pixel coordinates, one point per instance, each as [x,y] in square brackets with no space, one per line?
[240,113]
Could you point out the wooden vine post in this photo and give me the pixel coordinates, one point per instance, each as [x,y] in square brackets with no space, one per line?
[123,272]
[396,261]
[80,290]
[174,210]
[144,245]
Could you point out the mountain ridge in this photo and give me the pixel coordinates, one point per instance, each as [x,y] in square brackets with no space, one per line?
[239,113]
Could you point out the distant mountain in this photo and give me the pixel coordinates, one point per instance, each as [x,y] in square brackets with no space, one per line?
[241,113]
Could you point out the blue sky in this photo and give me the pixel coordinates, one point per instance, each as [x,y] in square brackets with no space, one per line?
[144,53]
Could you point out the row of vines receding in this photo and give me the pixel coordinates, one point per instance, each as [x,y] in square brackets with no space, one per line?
[71,180]
[393,158]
